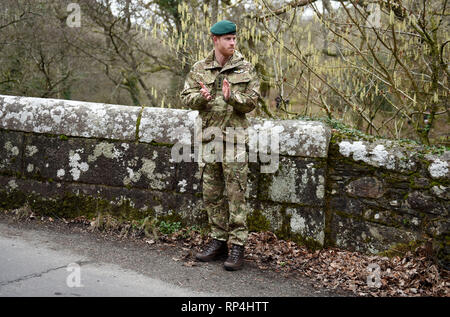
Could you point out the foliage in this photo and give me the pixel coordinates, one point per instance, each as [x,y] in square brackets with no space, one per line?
[379,66]
[382,75]
[169,227]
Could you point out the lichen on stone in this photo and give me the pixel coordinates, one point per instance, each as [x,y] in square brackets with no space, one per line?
[438,168]
[76,166]
[182,184]
[357,148]
[12,149]
[106,149]
[385,155]
[60,173]
[30,150]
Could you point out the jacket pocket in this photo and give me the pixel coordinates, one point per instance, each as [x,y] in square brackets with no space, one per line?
[239,82]
[239,78]
[208,80]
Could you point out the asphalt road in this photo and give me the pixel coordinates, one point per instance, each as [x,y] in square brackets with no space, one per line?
[39,259]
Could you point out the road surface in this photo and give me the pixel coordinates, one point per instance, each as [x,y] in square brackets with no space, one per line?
[41,259]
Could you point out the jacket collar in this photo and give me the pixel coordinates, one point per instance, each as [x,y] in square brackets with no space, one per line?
[233,62]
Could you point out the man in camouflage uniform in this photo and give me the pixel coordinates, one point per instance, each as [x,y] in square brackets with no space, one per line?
[223,88]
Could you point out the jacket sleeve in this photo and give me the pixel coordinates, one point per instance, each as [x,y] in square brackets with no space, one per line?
[246,101]
[190,96]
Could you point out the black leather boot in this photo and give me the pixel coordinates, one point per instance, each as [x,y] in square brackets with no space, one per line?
[212,251]
[235,259]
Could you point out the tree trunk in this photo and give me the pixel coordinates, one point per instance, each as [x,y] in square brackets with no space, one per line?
[214,11]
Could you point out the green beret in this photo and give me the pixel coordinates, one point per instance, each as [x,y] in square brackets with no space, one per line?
[223,27]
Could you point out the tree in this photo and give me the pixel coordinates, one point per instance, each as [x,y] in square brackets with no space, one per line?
[33,63]
[378,65]
[125,55]
[387,74]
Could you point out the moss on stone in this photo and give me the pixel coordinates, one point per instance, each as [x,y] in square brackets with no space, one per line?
[15,174]
[285,230]
[161,144]
[328,230]
[285,233]
[71,206]
[138,123]
[443,181]
[309,243]
[400,249]
[12,200]
[395,220]
[258,222]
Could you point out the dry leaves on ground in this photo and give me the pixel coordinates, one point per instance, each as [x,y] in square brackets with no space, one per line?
[364,275]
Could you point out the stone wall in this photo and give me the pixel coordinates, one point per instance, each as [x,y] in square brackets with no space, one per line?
[383,195]
[70,158]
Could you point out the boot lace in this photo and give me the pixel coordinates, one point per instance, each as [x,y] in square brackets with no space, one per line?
[235,253]
[213,245]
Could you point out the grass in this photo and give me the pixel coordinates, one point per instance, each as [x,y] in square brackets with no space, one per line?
[169,227]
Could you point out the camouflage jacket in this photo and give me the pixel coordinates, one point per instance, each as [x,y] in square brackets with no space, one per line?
[244,86]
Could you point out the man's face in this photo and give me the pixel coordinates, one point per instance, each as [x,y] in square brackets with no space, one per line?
[225,44]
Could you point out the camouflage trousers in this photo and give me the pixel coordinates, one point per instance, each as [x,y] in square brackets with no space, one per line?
[224,187]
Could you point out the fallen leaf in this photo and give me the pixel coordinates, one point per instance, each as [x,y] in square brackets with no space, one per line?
[190,263]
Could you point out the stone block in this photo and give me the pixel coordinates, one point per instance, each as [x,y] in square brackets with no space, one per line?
[100,162]
[138,199]
[361,236]
[393,218]
[33,187]
[11,147]
[309,222]
[168,126]
[188,207]
[188,177]
[424,203]
[16,192]
[67,117]
[441,191]
[296,137]
[73,199]
[367,187]
[306,223]
[263,213]
[142,202]
[297,181]
[381,153]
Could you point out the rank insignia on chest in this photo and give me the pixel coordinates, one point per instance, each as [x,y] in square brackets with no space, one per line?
[239,71]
